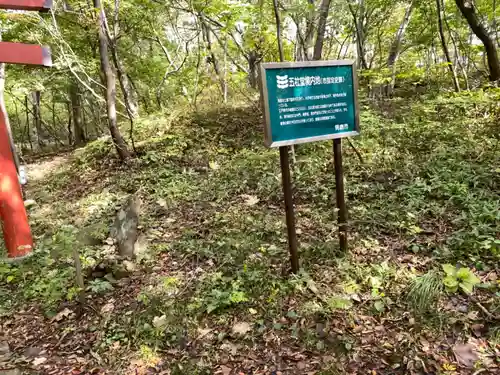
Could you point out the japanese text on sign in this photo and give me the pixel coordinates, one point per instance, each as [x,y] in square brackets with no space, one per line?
[309,101]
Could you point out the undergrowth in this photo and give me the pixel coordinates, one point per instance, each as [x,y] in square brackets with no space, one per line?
[425,193]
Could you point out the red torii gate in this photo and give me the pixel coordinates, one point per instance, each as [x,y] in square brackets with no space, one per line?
[16,229]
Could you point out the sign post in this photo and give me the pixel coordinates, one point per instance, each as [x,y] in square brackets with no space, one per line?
[307,102]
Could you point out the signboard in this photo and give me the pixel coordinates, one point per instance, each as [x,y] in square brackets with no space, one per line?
[309,101]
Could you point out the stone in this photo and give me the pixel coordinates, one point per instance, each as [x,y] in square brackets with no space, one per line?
[29,203]
[126,227]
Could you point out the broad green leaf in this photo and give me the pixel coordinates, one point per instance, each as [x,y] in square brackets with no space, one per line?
[451,283]
[463,273]
[449,270]
[468,288]
[472,279]
[379,306]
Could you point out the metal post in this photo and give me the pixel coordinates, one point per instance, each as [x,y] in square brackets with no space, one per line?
[290,214]
[339,189]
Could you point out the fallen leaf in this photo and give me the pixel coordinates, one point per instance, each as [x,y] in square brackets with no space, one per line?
[241,328]
[62,314]
[465,354]
[38,361]
[301,365]
[250,200]
[161,202]
[129,266]
[202,332]
[229,347]
[160,322]
[108,308]
[225,370]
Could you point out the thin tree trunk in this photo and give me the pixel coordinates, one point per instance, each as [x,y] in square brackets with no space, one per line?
[37,118]
[444,45]
[213,60]
[468,11]
[28,130]
[320,35]
[54,122]
[458,58]
[395,50]
[310,28]
[278,30]
[76,110]
[127,90]
[18,121]
[109,81]
[360,39]
[253,58]
[128,93]
[224,68]
[70,129]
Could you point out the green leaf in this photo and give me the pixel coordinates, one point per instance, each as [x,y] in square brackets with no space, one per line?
[379,306]
[451,283]
[468,288]
[463,273]
[449,270]
[472,279]
[341,303]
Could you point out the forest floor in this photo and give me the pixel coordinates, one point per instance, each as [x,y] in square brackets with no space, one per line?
[211,292]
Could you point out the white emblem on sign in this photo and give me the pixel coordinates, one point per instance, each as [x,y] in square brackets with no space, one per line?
[282,82]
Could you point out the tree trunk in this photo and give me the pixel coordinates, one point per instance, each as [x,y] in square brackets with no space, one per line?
[37,118]
[444,45]
[395,50]
[278,30]
[253,59]
[211,55]
[129,95]
[359,28]
[76,110]
[320,34]
[310,28]
[28,130]
[70,130]
[469,12]
[109,82]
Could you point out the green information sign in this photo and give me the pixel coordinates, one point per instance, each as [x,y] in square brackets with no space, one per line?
[309,101]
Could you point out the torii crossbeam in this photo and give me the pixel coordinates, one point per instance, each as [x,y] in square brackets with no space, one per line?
[37,5]
[16,229]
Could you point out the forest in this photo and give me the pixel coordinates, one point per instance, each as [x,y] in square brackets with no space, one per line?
[158,215]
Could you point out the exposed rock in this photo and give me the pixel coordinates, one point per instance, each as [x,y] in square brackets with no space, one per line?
[125,229]
[29,203]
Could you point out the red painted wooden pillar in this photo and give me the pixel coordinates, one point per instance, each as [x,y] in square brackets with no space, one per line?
[16,229]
